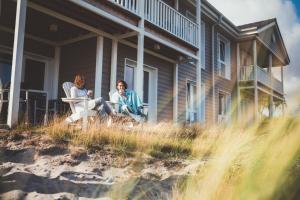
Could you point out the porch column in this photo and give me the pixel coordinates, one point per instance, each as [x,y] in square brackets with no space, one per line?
[281,73]
[271,84]
[17,60]
[238,82]
[198,64]
[113,70]
[175,94]
[56,72]
[99,63]
[255,80]
[139,72]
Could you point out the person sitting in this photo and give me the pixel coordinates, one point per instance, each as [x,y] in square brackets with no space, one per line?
[79,91]
[128,101]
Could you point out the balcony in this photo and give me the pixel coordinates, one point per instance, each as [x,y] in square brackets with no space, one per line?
[130,5]
[248,73]
[165,17]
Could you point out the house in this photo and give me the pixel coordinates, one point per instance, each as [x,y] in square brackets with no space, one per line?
[186,60]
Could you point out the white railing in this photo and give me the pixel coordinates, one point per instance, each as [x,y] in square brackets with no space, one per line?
[130,5]
[247,73]
[169,19]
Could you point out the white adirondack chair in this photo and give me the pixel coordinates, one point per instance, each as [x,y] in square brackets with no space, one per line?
[76,115]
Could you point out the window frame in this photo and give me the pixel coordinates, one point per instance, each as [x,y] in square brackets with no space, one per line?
[226,116]
[227,58]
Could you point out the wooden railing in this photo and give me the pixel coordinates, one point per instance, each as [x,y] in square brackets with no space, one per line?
[247,73]
[165,17]
[169,19]
[130,5]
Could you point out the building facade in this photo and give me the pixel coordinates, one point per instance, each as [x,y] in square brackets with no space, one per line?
[186,60]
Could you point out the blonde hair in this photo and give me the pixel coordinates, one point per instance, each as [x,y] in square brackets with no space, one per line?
[79,81]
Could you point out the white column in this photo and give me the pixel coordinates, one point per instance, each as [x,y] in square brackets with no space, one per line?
[113,70]
[14,95]
[175,94]
[213,74]
[56,72]
[271,82]
[99,65]
[238,81]
[139,72]
[281,70]
[255,80]
[198,64]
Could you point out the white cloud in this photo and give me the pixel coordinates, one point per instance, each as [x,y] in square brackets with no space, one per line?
[247,11]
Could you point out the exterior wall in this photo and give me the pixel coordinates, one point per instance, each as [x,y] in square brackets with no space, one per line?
[106,69]
[78,58]
[206,75]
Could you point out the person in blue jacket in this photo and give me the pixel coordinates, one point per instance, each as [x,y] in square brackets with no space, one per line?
[128,100]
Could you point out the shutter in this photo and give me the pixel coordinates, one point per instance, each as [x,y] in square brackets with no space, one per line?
[228,60]
[202,45]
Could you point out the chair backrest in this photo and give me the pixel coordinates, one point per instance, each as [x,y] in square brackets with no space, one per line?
[67,89]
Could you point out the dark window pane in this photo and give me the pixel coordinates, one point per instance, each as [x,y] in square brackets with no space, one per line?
[129,77]
[146,87]
[5,72]
[222,51]
[34,75]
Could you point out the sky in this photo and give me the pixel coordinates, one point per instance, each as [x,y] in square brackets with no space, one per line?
[287,13]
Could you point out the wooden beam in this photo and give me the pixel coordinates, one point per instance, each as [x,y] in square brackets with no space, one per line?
[198,65]
[113,70]
[17,61]
[175,94]
[77,39]
[99,66]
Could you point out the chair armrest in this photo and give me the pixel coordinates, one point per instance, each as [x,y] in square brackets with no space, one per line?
[73,100]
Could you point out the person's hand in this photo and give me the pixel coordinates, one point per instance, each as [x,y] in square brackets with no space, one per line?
[90,93]
[124,107]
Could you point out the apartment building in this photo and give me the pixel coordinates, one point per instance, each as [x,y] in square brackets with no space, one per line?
[186,60]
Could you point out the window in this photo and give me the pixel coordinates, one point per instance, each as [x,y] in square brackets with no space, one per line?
[191,102]
[224,64]
[203,45]
[224,106]
[129,76]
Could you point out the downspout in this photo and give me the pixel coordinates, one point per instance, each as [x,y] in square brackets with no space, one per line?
[213,64]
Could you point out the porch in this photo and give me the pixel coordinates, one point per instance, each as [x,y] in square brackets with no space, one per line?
[258,70]
[56,44]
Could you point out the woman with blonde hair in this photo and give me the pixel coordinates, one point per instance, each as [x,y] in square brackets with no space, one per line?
[79,90]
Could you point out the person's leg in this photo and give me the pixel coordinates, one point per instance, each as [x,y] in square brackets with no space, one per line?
[101,104]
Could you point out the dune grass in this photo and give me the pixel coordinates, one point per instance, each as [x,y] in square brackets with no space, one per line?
[261,161]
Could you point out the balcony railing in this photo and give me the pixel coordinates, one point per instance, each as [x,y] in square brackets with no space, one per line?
[169,19]
[130,5]
[247,73]
[165,17]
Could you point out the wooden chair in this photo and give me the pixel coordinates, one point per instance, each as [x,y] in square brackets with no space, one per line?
[77,115]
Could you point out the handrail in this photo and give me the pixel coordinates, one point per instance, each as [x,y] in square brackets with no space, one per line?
[130,5]
[164,16]
[247,74]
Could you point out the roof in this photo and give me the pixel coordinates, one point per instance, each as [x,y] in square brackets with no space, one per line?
[257,25]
